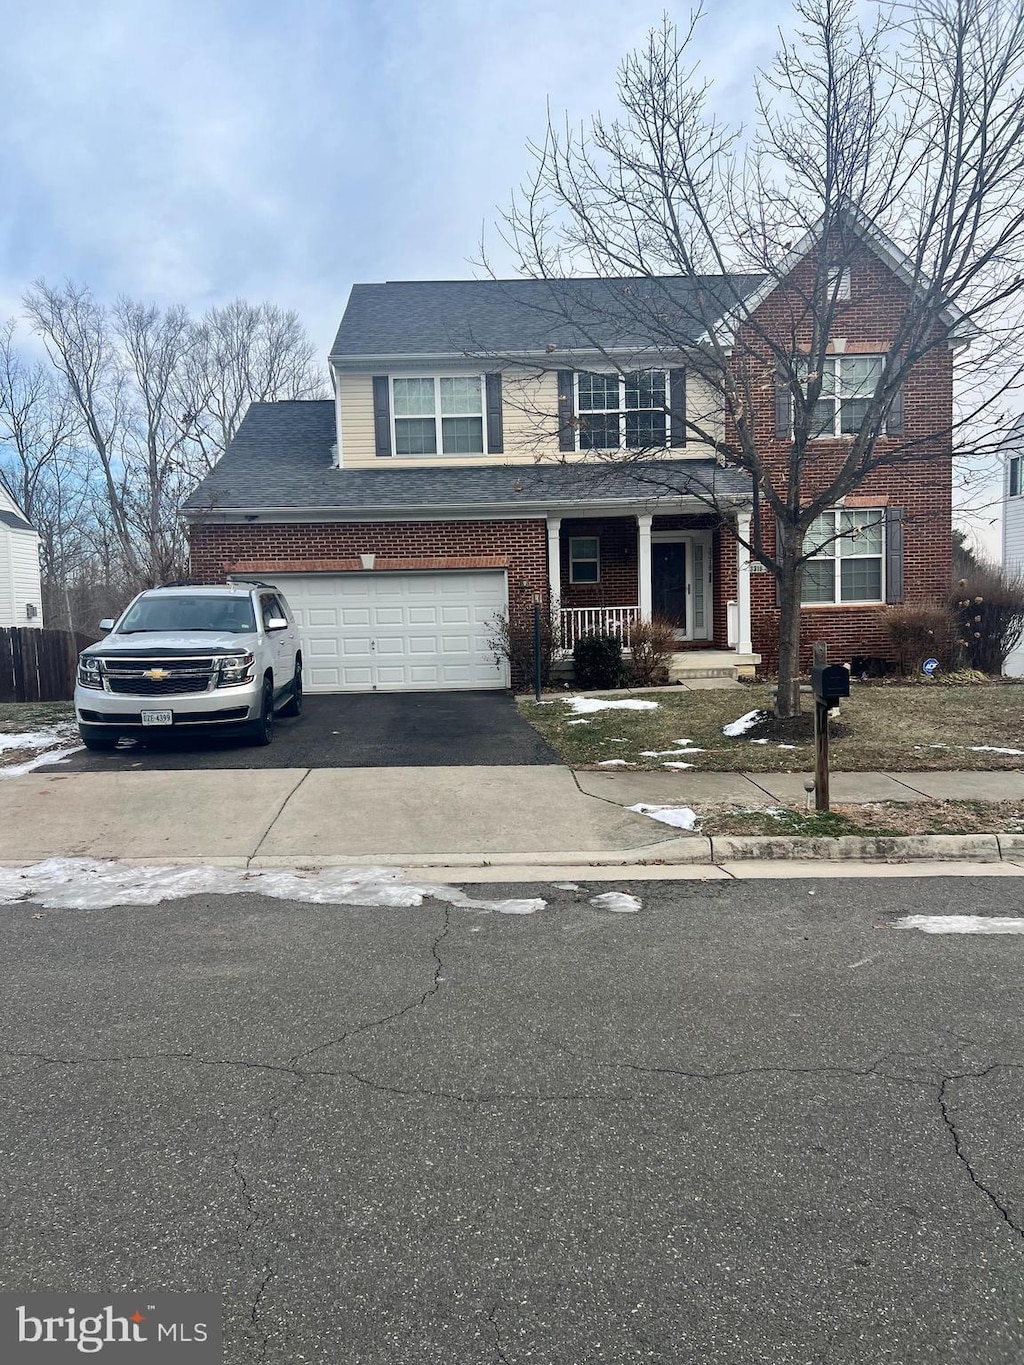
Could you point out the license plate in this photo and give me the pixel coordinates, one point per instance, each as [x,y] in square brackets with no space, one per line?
[157,717]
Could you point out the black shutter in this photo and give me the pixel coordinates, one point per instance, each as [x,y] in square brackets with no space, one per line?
[783,407]
[894,421]
[677,406]
[566,412]
[495,430]
[381,415]
[894,554]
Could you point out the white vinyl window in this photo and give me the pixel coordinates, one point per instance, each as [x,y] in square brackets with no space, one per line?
[622,412]
[846,388]
[438,416]
[584,559]
[848,563]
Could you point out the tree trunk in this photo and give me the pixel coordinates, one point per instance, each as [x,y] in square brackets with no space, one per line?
[787,701]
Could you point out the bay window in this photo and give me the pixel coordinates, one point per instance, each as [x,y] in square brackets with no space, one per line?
[848,549]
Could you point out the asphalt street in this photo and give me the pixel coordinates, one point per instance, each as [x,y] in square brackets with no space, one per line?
[752,1122]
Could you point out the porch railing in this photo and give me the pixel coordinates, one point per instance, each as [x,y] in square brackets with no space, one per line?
[578,621]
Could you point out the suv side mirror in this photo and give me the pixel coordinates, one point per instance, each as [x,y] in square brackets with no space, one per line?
[107,623]
[277,623]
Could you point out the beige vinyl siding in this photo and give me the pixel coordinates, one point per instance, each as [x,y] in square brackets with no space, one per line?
[530,417]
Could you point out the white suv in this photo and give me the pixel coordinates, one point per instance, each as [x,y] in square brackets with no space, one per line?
[184,659]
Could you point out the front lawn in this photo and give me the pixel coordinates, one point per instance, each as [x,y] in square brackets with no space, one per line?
[900,729]
[876,818]
[19,716]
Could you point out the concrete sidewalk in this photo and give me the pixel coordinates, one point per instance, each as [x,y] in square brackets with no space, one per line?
[435,816]
[769,789]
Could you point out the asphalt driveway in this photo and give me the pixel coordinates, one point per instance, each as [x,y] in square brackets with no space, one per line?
[365,730]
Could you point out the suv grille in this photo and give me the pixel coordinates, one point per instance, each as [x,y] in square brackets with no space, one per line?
[181,675]
[150,687]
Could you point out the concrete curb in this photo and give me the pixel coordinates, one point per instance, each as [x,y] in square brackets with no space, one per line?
[985,848]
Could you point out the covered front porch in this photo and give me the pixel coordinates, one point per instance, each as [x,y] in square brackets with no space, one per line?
[607,571]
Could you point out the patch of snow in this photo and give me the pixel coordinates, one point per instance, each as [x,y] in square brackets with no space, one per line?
[745,723]
[94,884]
[565,886]
[586,706]
[991,749]
[619,901]
[785,746]
[49,756]
[677,765]
[613,763]
[679,817]
[757,741]
[35,739]
[962,924]
[660,753]
[611,741]
[577,722]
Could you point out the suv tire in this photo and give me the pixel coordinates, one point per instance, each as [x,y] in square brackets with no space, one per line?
[293,706]
[98,738]
[263,729]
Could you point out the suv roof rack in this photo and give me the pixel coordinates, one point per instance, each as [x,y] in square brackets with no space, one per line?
[252,582]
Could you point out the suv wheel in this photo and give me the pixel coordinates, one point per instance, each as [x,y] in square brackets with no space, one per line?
[263,729]
[293,706]
[98,738]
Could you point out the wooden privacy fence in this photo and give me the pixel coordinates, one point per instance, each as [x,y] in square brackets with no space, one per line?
[38,665]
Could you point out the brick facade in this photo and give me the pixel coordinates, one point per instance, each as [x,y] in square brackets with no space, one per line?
[919,481]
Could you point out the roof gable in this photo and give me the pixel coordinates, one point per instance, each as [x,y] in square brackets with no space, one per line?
[10,510]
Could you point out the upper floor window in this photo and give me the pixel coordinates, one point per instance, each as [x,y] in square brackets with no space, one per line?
[848,548]
[622,411]
[847,385]
[1016,476]
[439,416]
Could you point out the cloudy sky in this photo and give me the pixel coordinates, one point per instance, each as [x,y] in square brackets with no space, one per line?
[195,150]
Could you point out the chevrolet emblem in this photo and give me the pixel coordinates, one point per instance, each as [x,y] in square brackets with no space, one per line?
[156,674]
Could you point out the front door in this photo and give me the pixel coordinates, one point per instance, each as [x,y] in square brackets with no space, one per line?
[668,581]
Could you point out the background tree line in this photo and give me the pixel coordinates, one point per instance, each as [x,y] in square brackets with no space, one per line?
[109,416]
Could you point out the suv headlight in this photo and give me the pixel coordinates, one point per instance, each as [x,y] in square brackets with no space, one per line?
[89,672]
[235,669]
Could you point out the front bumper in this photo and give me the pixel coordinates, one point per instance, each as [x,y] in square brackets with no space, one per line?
[224,706]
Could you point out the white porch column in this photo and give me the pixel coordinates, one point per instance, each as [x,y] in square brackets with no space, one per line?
[554,561]
[643,565]
[743,641]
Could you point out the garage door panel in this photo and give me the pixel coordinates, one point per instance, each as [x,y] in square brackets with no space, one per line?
[416,631]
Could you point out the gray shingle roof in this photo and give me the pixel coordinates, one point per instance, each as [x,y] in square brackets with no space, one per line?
[508,317]
[281,458]
[15,522]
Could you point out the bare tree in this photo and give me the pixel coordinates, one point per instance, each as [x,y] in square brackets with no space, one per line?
[914,126]
[243,353]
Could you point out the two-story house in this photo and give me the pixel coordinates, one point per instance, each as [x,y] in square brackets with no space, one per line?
[485,449]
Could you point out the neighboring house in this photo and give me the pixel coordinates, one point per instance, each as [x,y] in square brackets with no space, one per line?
[20,590]
[439,487]
[1013,521]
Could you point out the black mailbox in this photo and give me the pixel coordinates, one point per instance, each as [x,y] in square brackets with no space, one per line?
[830,682]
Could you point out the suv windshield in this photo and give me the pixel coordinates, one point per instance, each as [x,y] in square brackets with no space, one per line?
[229,615]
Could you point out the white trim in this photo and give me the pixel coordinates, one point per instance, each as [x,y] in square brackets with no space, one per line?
[555,561]
[643,566]
[689,538]
[339,443]
[744,644]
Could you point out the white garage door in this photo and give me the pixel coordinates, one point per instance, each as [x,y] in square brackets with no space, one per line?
[397,632]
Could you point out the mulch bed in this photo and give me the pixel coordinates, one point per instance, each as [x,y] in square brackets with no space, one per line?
[793,730]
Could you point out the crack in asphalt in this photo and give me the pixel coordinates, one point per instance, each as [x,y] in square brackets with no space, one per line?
[958,1147]
[492,1317]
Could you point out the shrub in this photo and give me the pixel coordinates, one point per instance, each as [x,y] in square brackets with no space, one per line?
[597,661]
[988,611]
[919,631]
[651,644]
[511,642]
